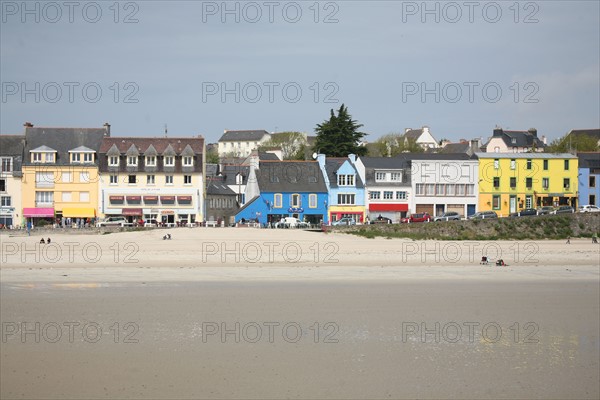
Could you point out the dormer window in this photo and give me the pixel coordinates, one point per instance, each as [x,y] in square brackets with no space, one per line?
[43,154]
[513,140]
[75,157]
[169,161]
[113,161]
[188,161]
[132,160]
[151,161]
[88,157]
[81,154]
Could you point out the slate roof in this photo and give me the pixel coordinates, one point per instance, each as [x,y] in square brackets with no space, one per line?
[455,148]
[589,160]
[62,140]
[595,133]
[413,134]
[525,155]
[216,187]
[521,138]
[333,164]
[241,136]
[290,176]
[263,156]
[398,162]
[436,156]
[13,145]
[229,173]
[160,144]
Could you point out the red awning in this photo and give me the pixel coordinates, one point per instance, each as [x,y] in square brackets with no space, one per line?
[38,212]
[388,207]
[150,198]
[134,198]
[167,198]
[132,211]
[184,198]
[116,199]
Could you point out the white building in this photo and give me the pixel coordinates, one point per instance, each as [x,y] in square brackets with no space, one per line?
[241,143]
[422,137]
[11,153]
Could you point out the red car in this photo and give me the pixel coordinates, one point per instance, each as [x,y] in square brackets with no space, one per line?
[420,217]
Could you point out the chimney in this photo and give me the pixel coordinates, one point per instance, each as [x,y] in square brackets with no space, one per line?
[544,139]
[532,131]
[106,129]
[498,132]
[425,129]
[28,125]
[407,130]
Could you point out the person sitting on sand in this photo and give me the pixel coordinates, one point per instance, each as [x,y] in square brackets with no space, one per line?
[484,260]
[594,238]
[48,241]
[42,241]
[500,263]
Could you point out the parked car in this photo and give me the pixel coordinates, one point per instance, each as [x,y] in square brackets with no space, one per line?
[113,221]
[150,223]
[525,212]
[381,220]
[484,215]
[448,216]
[564,210]
[545,210]
[344,221]
[419,217]
[588,208]
[291,222]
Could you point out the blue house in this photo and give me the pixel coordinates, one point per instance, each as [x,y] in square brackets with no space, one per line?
[589,178]
[280,189]
[346,188]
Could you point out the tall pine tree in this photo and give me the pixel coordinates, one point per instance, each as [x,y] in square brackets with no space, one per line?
[339,136]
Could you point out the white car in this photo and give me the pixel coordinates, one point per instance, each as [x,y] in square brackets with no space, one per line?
[290,222]
[588,208]
[113,221]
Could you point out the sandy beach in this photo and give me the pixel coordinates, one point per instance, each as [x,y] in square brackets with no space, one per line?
[246,313]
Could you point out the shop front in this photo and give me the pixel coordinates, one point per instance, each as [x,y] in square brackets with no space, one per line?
[36,215]
[357,213]
[7,219]
[395,212]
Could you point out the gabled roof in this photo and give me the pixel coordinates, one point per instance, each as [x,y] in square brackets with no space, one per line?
[240,136]
[290,176]
[413,134]
[151,151]
[216,187]
[43,149]
[81,149]
[333,164]
[160,144]
[229,173]
[518,138]
[61,140]
[13,146]
[133,150]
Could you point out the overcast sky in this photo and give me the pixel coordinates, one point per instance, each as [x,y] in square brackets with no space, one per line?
[460,68]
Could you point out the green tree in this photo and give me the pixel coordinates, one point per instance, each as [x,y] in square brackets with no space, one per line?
[339,135]
[212,156]
[392,144]
[575,143]
[291,144]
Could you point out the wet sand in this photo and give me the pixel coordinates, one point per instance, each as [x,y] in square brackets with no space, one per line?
[382,322]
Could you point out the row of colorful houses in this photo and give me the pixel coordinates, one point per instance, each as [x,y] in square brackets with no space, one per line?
[364,188]
[64,174]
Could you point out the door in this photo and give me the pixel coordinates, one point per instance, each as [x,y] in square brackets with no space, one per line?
[470,209]
[513,204]
[424,208]
[439,209]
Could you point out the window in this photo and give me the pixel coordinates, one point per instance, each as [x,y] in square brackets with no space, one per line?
[380,176]
[566,183]
[36,157]
[400,195]
[513,183]
[396,176]
[460,190]
[346,180]
[149,179]
[151,161]
[496,163]
[528,182]
[496,202]
[84,177]
[592,183]
[295,200]
[75,157]
[67,196]
[239,179]
[131,179]
[44,198]
[84,196]
[168,179]
[2,185]
[312,200]
[545,183]
[5,201]
[566,165]
[388,195]
[6,164]
[169,161]
[88,157]
[187,179]
[44,179]
[429,189]
[513,164]
[374,195]
[496,182]
[188,161]
[439,190]
[277,200]
[346,198]
[132,160]
[420,189]
[470,189]
[528,201]
[528,163]
[66,177]
[113,161]
[545,165]
[114,179]
[450,190]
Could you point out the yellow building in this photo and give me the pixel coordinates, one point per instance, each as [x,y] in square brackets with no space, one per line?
[60,174]
[510,182]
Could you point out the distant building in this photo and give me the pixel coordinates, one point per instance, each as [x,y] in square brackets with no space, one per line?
[221,202]
[572,136]
[241,143]
[11,159]
[589,178]
[422,137]
[515,141]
